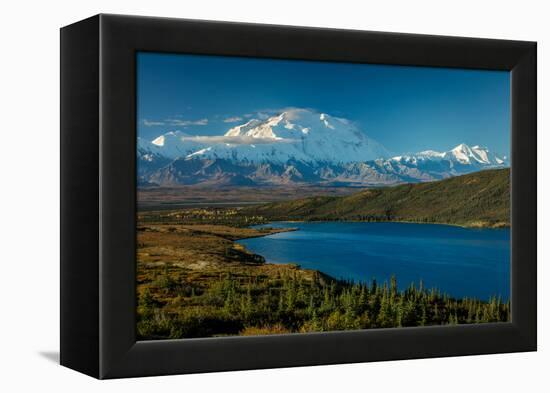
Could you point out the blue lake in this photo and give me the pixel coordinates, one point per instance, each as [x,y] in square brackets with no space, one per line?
[460,262]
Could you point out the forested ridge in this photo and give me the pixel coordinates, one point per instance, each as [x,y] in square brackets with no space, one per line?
[480,199]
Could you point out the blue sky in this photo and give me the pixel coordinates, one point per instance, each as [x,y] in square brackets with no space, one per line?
[407,109]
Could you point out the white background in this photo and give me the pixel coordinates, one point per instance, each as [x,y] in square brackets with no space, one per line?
[29,219]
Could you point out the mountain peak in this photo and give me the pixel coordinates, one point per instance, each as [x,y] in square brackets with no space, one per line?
[159,141]
[169,137]
[463,147]
[476,154]
[297,134]
[289,123]
[462,154]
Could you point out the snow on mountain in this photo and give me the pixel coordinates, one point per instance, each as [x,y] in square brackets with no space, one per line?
[176,144]
[461,155]
[296,134]
[298,146]
[148,151]
[430,154]
[470,155]
[149,159]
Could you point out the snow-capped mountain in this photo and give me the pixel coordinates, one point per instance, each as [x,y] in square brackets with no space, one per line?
[461,158]
[462,154]
[295,134]
[433,165]
[298,146]
[172,145]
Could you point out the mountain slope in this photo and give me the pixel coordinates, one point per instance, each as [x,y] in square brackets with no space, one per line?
[296,135]
[403,169]
[477,199]
[298,146]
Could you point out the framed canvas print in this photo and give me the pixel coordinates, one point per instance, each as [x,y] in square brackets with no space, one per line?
[239,196]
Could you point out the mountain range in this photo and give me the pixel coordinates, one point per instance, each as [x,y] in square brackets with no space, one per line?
[298,146]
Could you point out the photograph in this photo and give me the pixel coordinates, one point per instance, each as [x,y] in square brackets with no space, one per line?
[289,196]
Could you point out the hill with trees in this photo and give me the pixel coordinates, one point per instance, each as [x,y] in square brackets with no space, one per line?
[480,199]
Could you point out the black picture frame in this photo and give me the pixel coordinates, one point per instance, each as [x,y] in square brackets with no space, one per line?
[98,196]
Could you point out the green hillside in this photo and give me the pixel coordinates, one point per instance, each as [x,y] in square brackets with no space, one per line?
[480,199]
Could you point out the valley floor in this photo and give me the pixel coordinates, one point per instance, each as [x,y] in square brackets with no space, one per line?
[169,198]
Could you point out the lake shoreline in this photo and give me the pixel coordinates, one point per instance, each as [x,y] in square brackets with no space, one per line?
[274,231]
[204,282]
[506,226]
[386,257]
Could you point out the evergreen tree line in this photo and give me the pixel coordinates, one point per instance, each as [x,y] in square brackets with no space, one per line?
[285,304]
